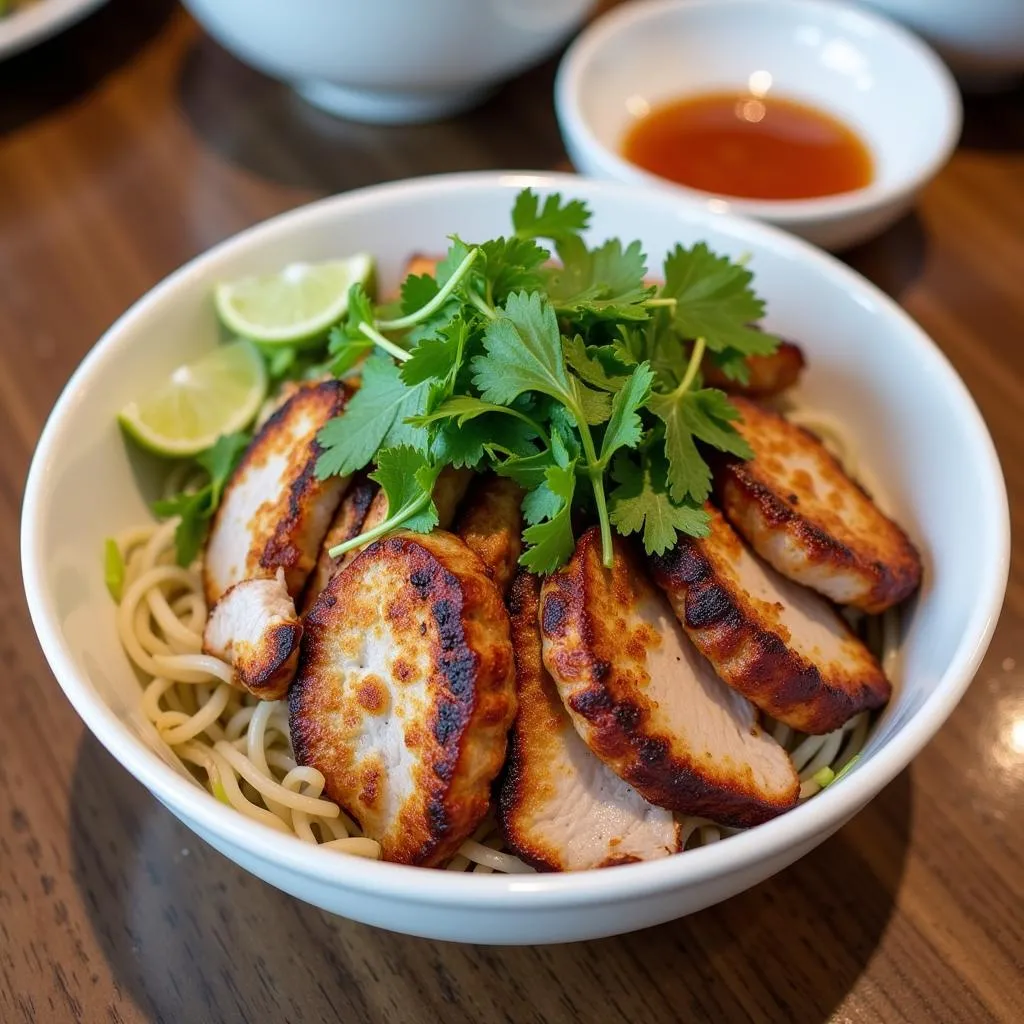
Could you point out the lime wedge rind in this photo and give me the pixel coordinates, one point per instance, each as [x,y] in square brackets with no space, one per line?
[219,393]
[298,304]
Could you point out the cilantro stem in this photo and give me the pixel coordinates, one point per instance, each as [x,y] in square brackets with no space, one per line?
[596,473]
[389,346]
[389,524]
[657,303]
[595,470]
[481,303]
[692,367]
[436,302]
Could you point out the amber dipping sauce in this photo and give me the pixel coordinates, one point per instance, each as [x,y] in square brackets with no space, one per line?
[752,147]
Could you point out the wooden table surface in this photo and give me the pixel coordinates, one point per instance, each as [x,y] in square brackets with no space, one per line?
[132,143]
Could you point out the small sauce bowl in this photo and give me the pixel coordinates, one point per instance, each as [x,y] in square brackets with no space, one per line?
[862,69]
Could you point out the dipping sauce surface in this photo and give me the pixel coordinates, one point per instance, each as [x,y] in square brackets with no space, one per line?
[751,147]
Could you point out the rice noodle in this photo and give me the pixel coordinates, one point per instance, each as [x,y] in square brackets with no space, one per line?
[240,748]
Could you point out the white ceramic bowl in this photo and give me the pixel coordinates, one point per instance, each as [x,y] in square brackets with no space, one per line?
[393,61]
[868,363]
[36,23]
[982,40]
[865,70]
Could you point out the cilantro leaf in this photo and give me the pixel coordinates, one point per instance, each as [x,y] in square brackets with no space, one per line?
[417,291]
[592,369]
[710,416]
[555,220]
[457,252]
[196,507]
[220,459]
[463,408]
[641,502]
[542,502]
[550,543]
[714,301]
[602,283]
[705,415]
[407,478]
[437,357]
[373,414]
[280,360]
[596,406]
[346,352]
[346,344]
[484,438]
[523,352]
[512,265]
[625,428]
[528,471]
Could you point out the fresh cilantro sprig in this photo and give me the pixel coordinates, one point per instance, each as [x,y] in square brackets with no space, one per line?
[561,368]
[196,506]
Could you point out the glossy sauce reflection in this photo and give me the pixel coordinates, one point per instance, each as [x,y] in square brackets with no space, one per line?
[750,146]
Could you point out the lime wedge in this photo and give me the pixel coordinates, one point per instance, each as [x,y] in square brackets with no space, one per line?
[299,303]
[219,393]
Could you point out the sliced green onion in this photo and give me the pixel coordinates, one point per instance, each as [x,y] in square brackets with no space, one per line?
[113,568]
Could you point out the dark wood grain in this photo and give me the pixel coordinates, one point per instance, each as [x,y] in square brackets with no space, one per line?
[132,143]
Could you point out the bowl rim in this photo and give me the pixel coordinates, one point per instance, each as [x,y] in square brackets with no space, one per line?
[805,824]
[39,22]
[603,32]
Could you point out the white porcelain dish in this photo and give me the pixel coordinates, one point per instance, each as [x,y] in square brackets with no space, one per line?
[395,62]
[981,40]
[868,363]
[40,21]
[862,68]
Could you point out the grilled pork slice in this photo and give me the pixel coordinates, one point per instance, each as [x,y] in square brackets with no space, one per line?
[801,513]
[405,693]
[274,511]
[254,627]
[779,644]
[491,524]
[449,489]
[767,375]
[420,264]
[348,523]
[647,703]
[562,808]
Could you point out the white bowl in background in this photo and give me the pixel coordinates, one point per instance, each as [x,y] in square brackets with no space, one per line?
[399,61]
[926,445]
[38,22]
[862,68]
[981,40]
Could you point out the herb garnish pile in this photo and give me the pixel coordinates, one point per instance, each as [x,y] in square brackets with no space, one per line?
[577,380]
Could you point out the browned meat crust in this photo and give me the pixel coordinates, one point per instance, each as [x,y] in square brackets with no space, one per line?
[801,513]
[552,782]
[814,683]
[601,629]
[768,375]
[254,533]
[491,524]
[405,693]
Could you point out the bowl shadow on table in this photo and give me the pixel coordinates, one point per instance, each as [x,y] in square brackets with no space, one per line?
[262,125]
[893,260]
[995,122]
[63,69]
[190,935]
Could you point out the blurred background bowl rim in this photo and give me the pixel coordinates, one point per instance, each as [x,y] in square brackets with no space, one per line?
[39,22]
[810,822]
